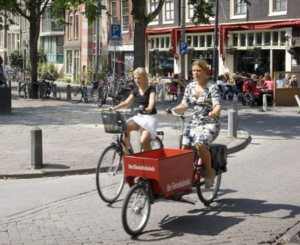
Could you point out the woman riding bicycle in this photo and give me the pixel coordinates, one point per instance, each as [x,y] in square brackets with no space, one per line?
[147,122]
[204,127]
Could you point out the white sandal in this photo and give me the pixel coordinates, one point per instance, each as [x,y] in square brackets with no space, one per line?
[209,183]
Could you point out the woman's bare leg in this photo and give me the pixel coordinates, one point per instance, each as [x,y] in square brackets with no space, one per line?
[144,140]
[205,156]
[131,126]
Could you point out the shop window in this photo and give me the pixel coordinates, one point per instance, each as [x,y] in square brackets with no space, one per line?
[168,44]
[189,41]
[195,41]
[209,42]
[275,39]
[267,39]
[162,42]
[157,42]
[152,43]
[235,39]
[282,38]
[258,38]
[243,40]
[202,41]
[250,40]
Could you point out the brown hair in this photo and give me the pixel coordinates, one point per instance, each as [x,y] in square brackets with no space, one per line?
[201,63]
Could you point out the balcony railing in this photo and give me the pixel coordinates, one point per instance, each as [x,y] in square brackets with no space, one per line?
[52,25]
[58,59]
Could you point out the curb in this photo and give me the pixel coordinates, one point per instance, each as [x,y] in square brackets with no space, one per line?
[231,148]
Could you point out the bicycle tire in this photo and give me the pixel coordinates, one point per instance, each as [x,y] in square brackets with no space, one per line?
[109,174]
[207,196]
[136,210]
[102,97]
[156,143]
[95,95]
[58,95]
[22,92]
[76,94]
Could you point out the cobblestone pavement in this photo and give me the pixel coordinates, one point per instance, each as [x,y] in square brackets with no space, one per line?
[257,202]
[73,136]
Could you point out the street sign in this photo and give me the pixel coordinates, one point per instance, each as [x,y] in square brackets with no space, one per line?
[115,43]
[183,48]
[115,32]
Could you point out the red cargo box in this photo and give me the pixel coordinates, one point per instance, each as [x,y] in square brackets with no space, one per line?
[170,170]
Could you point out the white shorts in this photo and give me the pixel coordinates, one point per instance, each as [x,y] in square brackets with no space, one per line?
[146,122]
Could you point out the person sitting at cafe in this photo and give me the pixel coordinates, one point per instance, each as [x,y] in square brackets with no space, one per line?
[174,85]
[293,82]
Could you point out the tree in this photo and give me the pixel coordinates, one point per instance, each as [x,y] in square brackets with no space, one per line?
[32,10]
[15,58]
[141,21]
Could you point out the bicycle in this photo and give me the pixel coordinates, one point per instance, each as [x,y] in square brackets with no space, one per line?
[77,93]
[109,173]
[46,87]
[169,174]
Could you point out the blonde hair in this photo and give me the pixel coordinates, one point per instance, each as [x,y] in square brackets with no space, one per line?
[141,71]
[201,63]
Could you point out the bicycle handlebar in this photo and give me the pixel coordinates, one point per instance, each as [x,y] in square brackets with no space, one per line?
[170,111]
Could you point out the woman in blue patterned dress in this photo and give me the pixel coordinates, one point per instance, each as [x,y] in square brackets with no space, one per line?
[204,127]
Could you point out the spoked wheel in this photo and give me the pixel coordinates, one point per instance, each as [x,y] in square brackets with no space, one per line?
[135,210]
[156,143]
[102,97]
[95,95]
[56,92]
[22,92]
[58,95]
[109,174]
[76,94]
[208,195]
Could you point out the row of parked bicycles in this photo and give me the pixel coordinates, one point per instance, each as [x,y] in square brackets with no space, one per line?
[118,89]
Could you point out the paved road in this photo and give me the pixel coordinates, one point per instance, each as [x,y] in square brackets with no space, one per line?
[73,136]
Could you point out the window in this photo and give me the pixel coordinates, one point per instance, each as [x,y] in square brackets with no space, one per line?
[239,7]
[70,35]
[190,11]
[114,19]
[76,63]
[212,4]
[76,27]
[69,61]
[153,6]
[279,5]
[125,16]
[169,10]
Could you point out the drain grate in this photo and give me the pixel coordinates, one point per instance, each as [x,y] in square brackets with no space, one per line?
[296,239]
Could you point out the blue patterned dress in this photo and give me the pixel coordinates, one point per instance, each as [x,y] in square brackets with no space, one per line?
[201,128]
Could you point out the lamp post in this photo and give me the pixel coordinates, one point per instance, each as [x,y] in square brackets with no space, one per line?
[182,13]
[216,44]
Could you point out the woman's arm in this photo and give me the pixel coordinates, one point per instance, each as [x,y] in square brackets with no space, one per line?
[126,103]
[215,112]
[180,108]
[151,103]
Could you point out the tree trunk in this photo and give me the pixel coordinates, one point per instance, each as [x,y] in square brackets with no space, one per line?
[34,35]
[139,44]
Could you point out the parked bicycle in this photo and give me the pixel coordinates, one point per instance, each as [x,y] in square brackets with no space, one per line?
[77,93]
[109,173]
[182,172]
[46,86]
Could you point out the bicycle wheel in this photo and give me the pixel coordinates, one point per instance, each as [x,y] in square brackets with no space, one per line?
[58,95]
[156,143]
[95,95]
[76,94]
[102,97]
[22,92]
[109,174]
[208,195]
[135,210]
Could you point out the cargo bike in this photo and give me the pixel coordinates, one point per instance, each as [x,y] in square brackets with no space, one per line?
[170,174]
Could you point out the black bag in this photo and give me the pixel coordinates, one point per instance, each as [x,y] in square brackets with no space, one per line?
[218,157]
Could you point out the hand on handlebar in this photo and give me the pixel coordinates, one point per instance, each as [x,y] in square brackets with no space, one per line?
[168,111]
[111,109]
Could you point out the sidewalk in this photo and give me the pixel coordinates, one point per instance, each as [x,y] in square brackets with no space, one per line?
[73,136]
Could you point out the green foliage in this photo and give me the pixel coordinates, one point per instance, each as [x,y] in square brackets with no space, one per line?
[47,67]
[67,79]
[41,56]
[15,58]
[104,67]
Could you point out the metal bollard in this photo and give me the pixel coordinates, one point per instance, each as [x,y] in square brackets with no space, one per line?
[85,98]
[265,107]
[234,103]
[36,148]
[232,123]
[19,86]
[68,92]
[9,83]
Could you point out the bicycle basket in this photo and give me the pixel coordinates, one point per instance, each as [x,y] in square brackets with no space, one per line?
[114,122]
